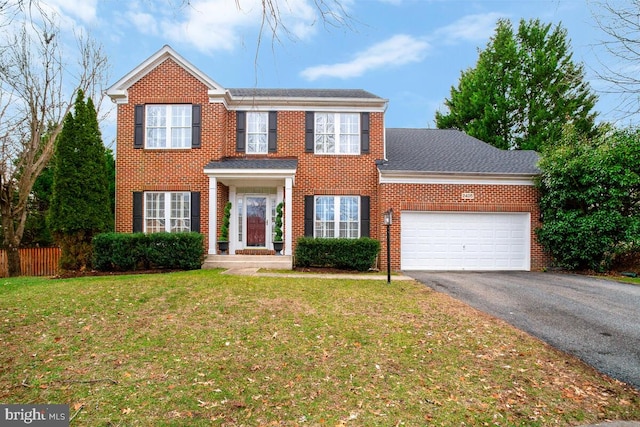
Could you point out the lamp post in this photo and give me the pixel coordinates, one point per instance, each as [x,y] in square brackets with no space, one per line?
[388,220]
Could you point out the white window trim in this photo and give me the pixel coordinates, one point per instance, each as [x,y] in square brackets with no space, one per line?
[168,127]
[249,133]
[337,135]
[167,209]
[336,218]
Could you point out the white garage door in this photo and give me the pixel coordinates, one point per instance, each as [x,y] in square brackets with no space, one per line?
[465,241]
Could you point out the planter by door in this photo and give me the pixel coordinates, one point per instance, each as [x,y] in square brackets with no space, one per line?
[277,246]
[223,247]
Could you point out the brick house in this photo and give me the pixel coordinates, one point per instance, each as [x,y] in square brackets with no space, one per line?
[186,145]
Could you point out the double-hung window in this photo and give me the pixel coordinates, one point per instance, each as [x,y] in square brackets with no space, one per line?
[257,132]
[169,211]
[337,133]
[337,216]
[168,126]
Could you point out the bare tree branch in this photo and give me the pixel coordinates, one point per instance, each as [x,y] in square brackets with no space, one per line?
[620,58]
[37,89]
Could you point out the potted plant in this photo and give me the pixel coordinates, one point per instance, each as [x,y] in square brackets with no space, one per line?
[223,241]
[277,238]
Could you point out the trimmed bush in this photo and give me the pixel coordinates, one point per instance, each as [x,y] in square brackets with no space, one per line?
[130,252]
[348,254]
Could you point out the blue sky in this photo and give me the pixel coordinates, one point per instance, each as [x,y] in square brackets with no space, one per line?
[408,51]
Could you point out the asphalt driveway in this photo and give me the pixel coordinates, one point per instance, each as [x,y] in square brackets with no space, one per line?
[596,320]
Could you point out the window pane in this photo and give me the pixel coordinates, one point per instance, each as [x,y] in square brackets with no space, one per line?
[181,116]
[156,116]
[325,214]
[349,133]
[180,212]
[168,126]
[180,138]
[257,132]
[154,212]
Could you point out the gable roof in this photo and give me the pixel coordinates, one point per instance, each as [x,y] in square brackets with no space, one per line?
[449,151]
[118,92]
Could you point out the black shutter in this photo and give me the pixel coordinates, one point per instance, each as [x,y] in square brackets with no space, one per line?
[364,133]
[273,131]
[241,126]
[138,137]
[196,113]
[365,216]
[195,211]
[137,211]
[309,130]
[308,216]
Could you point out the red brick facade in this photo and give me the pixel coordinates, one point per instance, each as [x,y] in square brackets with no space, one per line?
[168,82]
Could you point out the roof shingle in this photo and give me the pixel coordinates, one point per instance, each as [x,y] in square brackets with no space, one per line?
[452,151]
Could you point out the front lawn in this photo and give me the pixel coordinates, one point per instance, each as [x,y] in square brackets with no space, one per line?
[200,348]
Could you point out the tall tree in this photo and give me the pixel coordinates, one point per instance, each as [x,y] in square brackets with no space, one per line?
[80,203]
[524,88]
[37,86]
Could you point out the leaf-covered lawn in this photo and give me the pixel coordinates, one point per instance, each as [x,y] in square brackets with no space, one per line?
[200,348]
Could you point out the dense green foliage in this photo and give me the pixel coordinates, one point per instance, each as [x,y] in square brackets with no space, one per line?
[278,223]
[524,88]
[349,254]
[80,203]
[130,252]
[226,218]
[36,229]
[590,198]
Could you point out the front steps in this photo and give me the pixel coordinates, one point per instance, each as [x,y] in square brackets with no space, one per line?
[272,262]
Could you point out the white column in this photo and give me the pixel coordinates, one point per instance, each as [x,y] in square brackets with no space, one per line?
[288,216]
[233,221]
[213,224]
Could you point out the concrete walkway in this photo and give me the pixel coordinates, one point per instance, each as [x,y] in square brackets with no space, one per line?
[250,271]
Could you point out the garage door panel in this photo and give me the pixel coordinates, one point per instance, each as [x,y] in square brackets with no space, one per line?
[465,241]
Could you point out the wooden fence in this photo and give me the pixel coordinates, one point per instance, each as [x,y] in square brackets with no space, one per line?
[33,262]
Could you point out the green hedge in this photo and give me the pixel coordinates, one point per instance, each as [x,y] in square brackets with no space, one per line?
[348,254]
[130,252]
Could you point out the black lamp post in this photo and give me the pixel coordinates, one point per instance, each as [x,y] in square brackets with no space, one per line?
[388,219]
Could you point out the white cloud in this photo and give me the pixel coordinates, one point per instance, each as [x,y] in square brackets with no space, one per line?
[398,50]
[211,25]
[470,28]
[84,10]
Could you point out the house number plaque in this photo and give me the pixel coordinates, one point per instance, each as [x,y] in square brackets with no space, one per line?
[468,196]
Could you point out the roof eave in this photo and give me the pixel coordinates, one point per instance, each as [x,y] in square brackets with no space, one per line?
[296,103]
[424,177]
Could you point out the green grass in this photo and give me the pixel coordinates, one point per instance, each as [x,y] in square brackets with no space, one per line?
[200,348]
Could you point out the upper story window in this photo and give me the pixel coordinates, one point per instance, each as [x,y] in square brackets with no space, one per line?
[337,133]
[168,126]
[257,132]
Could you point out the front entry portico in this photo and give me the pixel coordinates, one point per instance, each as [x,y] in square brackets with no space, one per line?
[254,187]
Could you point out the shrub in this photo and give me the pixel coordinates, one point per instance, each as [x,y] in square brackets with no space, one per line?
[130,252]
[349,254]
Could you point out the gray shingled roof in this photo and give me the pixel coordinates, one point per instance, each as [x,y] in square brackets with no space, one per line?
[243,163]
[303,93]
[452,151]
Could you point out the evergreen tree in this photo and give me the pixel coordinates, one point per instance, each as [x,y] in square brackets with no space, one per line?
[80,203]
[524,88]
